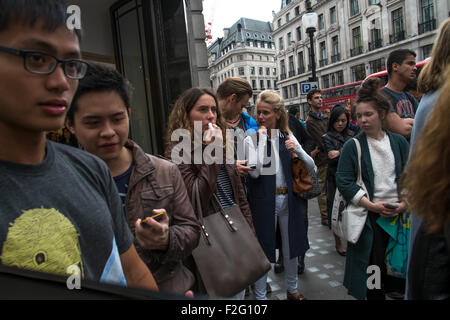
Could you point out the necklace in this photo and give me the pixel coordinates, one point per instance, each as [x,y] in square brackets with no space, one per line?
[234,121]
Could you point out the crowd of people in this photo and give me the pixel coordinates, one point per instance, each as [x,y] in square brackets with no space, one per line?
[129,219]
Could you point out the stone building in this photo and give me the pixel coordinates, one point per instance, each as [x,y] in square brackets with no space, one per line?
[352,40]
[159,45]
[246,50]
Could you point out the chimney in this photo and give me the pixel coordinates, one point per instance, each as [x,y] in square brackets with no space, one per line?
[225,32]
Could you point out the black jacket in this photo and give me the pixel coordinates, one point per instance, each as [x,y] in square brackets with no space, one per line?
[301,134]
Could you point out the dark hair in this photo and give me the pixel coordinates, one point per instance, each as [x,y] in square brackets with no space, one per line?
[337,105]
[398,56]
[336,112]
[311,93]
[293,110]
[51,13]
[370,92]
[100,78]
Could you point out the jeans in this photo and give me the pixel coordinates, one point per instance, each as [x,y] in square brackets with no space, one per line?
[290,265]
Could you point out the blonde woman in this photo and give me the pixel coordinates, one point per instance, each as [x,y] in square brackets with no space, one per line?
[270,190]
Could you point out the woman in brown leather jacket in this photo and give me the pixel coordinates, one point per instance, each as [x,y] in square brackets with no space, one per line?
[196,115]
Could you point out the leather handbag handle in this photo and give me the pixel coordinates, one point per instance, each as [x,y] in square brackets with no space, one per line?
[227,218]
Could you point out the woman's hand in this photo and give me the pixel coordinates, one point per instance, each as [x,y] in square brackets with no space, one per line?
[333,154]
[211,135]
[291,145]
[383,211]
[262,130]
[242,168]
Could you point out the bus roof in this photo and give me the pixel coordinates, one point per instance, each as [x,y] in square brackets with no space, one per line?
[343,85]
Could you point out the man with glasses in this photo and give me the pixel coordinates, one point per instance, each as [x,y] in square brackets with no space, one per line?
[59,207]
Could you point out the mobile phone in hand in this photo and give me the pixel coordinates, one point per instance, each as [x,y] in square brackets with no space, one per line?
[156,217]
[390,206]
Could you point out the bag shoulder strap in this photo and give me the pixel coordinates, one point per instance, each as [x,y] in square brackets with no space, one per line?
[359,181]
[196,203]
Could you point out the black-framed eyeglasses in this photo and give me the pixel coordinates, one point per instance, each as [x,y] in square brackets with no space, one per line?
[39,62]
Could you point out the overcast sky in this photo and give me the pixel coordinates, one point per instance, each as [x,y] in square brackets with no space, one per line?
[224,13]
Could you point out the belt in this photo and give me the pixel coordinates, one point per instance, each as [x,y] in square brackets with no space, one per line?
[283,190]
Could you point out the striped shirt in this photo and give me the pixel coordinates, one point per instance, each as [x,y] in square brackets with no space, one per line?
[224,189]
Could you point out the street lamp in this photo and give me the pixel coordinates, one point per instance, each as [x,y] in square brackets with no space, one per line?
[309,22]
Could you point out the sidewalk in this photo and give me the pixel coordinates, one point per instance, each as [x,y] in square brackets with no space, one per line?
[324,267]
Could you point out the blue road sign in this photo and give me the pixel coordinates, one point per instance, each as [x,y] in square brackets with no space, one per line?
[308,86]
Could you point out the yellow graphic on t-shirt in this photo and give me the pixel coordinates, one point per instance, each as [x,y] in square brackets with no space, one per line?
[42,240]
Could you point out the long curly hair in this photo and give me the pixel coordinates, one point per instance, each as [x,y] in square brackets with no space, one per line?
[179,116]
[426,181]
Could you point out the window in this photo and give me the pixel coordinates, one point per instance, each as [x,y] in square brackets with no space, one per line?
[283,70]
[267,71]
[252,71]
[397,26]
[295,90]
[258,58]
[357,46]
[269,84]
[254,84]
[326,81]
[301,63]
[427,51]
[279,23]
[340,77]
[288,17]
[241,71]
[333,18]
[261,84]
[281,43]
[240,57]
[354,7]
[291,66]
[299,33]
[358,72]
[373,2]
[377,65]
[321,22]
[323,54]
[427,10]
[428,21]
[260,69]
[289,38]
[285,93]
[375,35]
[297,11]
[250,57]
[335,56]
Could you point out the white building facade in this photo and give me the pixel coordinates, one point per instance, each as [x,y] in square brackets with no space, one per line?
[352,40]
[247,50]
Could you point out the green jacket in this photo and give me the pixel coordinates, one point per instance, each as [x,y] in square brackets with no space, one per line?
[357,259]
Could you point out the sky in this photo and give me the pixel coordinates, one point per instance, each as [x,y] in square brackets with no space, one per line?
[224,13]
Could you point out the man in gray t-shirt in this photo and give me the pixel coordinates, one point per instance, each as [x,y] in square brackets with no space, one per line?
[63,211]
[59,208]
